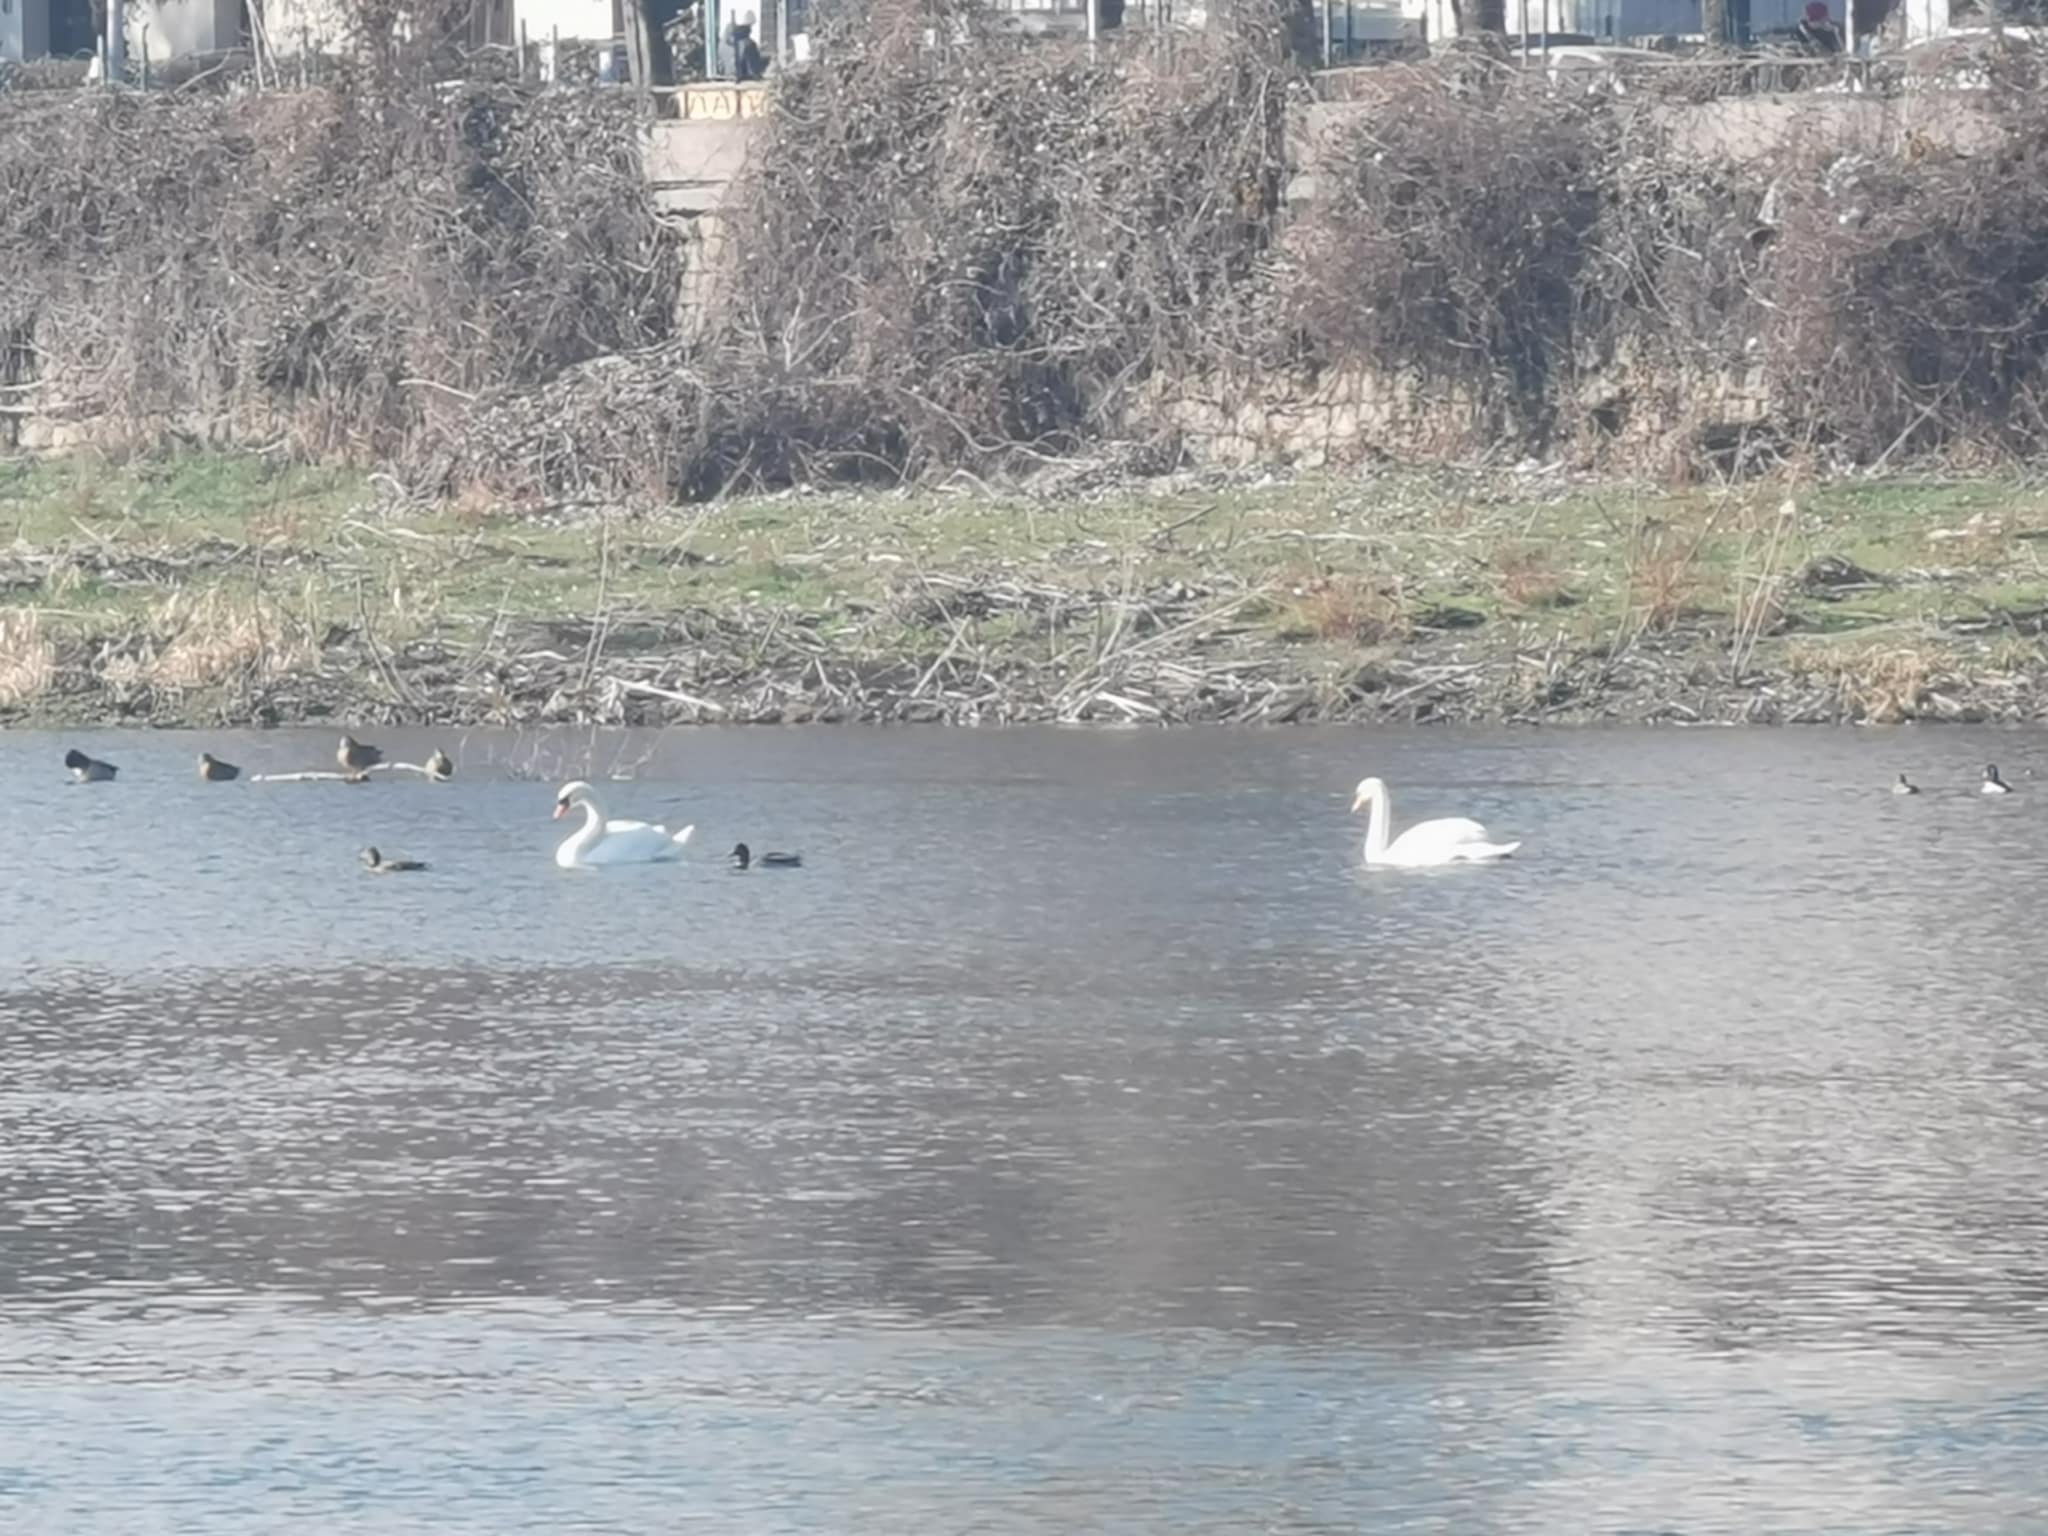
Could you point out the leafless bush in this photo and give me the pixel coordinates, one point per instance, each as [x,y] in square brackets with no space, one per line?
[1452,236]
[982,248]
[1908,295]
[27,658]
[48,74]
[1573,266]
[969,253]
[333,266]
[957,248]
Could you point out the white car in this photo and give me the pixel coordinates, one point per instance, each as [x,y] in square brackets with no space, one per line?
[1594,68]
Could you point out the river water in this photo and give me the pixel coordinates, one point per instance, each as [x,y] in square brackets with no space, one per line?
[1079,1141]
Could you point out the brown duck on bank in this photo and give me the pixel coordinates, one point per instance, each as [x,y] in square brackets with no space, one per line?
[214,771]
[357,757]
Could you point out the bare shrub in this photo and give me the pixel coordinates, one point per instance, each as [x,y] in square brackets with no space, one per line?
[1577,270]
[1347,608]
[336,266]
[985,248]
[214,640]
[28,660]
[1667,572]
[957,248]
[1451,236]
[1883,684]
[1909,294]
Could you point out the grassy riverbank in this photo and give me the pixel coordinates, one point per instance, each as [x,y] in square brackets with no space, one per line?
[208,589]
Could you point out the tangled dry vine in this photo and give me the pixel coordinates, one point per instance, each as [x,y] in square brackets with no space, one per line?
[959,249]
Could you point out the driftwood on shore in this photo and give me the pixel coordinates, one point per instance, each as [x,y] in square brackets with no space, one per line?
[334,776]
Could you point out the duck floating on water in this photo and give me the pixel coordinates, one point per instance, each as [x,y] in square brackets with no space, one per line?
[357,757]
[377,864]
[439,768]
[88,770]
[214,771]
[743,858]
[1905,786]
[1993,784]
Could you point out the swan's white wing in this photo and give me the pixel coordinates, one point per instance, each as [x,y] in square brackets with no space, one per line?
[632,842]
[1443,837]
[1452,840]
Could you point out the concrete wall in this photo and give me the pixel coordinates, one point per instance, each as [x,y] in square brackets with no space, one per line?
[692,160]
[179,27]
[1734,128]
[589,21]
[24,29]
[1743,128]
[1341,416]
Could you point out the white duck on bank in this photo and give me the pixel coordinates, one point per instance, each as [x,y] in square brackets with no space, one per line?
[602,841]
[1453,840]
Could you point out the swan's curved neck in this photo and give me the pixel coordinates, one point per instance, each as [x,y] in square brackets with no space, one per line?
[1376,826]
[592,830]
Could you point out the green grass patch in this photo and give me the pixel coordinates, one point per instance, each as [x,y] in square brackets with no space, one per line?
[1336,566]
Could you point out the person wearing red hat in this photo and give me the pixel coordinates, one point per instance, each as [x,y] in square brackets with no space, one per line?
[1818,31]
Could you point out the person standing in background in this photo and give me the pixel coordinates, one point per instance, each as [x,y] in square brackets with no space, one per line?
[1817,31]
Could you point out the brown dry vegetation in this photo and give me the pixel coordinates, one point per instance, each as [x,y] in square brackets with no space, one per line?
[327,273]
[995,262]
[209,589]
[28,661]
[999,255]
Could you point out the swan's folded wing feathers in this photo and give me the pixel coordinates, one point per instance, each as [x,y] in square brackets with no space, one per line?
[1458,829]
[1482,852]
[1443,836]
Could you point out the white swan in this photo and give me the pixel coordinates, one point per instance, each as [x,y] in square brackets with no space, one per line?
[599,841]
[1453,840]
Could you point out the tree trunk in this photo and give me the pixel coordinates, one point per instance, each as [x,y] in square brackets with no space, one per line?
[1714,22]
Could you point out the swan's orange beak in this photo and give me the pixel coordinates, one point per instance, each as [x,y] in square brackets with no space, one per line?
[561,809]
[1356,802]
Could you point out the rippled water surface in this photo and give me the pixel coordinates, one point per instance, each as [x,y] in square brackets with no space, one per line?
[1080,1141]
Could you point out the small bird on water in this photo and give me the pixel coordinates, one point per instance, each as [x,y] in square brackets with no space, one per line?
[438,766]
[88,770]
[357,757]
[742,858]
[377,864]
[214,771]
[1905,786]
[1993,784]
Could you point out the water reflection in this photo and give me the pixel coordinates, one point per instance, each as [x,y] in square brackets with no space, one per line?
[1079,1140]
[604,1133]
